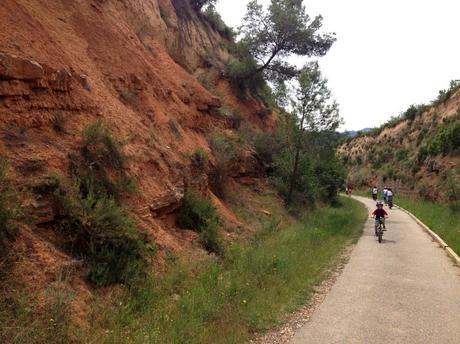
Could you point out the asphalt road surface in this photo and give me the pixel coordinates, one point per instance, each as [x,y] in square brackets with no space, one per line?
[404,290]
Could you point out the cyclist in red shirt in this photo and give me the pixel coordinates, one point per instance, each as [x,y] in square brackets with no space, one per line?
[379,214]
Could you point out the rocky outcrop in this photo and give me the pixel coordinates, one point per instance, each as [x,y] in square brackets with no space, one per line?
[167,202]
[13,67]
[19,77]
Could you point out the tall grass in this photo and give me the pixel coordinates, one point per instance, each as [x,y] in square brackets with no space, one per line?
[441,218]
[251,289]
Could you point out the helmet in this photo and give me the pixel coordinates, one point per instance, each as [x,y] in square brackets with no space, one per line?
[379,203]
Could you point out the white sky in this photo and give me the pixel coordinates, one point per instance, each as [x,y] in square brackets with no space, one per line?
[388,55]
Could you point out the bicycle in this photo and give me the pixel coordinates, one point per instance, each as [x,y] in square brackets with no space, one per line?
[390,202]
[379,229]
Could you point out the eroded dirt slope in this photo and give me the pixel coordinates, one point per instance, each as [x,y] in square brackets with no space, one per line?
[133,64]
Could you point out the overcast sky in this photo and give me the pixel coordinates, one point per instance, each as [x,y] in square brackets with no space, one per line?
[388,55]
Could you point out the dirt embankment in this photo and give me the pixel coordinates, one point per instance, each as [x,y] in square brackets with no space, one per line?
[134,64]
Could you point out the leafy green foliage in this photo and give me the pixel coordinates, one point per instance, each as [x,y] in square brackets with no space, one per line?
[99,146]
[226,151]
[90,215]
[410,113]
[199,4]
[251,289]
[216,22]
[101,231]
[7,211]
[402,154]
[100,167]
[112,241]
[284,29]
[200,159]
[451,186]
[445,141]
[446,94]
[199,214]
[307,165]
[240,71]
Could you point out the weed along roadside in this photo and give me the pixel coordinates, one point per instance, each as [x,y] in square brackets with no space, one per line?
[252,288]
[442,219]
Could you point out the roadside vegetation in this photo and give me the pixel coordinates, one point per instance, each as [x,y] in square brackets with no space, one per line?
[253,288]
[240,288]
[90,215]
[441,218]
[9,211]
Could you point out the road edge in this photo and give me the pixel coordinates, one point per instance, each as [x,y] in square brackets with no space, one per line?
[434,236]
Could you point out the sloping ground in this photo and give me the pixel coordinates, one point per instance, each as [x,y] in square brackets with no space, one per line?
[133,64]
[409,155]
[404,290]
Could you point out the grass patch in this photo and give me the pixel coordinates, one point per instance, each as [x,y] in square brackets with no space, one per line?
[441,218]
[251,289]
[25,319]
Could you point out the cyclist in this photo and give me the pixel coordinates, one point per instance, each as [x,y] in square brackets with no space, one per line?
[385,191]
[390,197]
[375,192]
[379,214]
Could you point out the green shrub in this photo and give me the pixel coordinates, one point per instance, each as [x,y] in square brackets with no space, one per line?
[226,151]
[446,140]
[89,213]
[99,146]
[402,154]
[451,187]
[197,213]
[7,211]
[422,154]
[267,146]
[241,72]
[99,230]
[200,159]
[410,113]
[100,167]
[216,22]
[112,241]
[446,94]
[199,4]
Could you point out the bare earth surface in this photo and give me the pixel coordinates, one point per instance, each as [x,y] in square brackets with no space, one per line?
[405,290]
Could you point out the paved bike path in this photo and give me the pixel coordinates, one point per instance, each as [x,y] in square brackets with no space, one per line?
[404,290]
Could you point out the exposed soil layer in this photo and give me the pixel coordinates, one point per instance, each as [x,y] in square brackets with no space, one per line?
[133,64]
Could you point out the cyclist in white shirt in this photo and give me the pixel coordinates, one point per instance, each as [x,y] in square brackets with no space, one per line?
[375,192]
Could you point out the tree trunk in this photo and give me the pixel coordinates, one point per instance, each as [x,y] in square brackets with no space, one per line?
[296,159]
[294,174]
